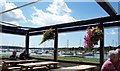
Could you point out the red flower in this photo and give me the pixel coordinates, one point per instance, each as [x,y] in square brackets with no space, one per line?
[92,37]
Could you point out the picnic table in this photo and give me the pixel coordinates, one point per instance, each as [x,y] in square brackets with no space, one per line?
[8,63]
[47,64]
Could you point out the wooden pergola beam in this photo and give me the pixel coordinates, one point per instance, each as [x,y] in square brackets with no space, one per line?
[78,28]
[19,6]
[78,23]
[13,25]
[107,7]
[14,30]
[11,30]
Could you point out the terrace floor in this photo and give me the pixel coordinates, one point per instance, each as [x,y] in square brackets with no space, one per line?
[64,66]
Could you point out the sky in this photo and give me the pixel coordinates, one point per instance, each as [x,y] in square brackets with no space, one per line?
[54,12]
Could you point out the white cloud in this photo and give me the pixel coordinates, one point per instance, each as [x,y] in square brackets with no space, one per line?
[14,16]
[58,7]
[63,34]
[56,13]
[113,32]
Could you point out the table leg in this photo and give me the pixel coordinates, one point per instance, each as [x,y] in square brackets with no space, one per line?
[21,68]
[27,68]
[5,65]
[48,66]
[92,69]
[55,66]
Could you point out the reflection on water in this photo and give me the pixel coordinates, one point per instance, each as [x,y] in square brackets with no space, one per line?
[97,56]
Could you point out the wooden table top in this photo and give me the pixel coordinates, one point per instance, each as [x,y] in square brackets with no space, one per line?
[15,61]
[80,67]
[38,63]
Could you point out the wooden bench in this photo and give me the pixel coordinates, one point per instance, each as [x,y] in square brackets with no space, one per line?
[42,68]
[76,68]
[11,68]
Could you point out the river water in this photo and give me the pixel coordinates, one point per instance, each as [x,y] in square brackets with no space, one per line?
[96,55]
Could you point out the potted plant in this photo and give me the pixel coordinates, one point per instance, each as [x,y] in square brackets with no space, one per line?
[47,35]
[94,34]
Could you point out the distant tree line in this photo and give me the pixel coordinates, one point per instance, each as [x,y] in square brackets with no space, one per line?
[107,48]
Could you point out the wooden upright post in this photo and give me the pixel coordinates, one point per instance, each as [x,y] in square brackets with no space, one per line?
[101,46]
[27,43]
[56,45]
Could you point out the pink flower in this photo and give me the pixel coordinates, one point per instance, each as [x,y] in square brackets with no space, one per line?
[92,37]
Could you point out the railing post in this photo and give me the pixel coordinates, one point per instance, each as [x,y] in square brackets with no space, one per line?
[56,45]
[101,46]
[27,43]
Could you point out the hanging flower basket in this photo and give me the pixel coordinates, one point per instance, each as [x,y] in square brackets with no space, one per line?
[92,37]
[48,34]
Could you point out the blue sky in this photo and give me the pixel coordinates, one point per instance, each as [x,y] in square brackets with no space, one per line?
[56,12]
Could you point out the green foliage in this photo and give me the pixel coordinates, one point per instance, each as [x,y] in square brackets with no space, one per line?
[97,36]
[4,56]
[71,58]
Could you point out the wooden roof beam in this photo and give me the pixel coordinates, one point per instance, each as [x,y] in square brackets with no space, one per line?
[78,28]
[12,30]
[107,7]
